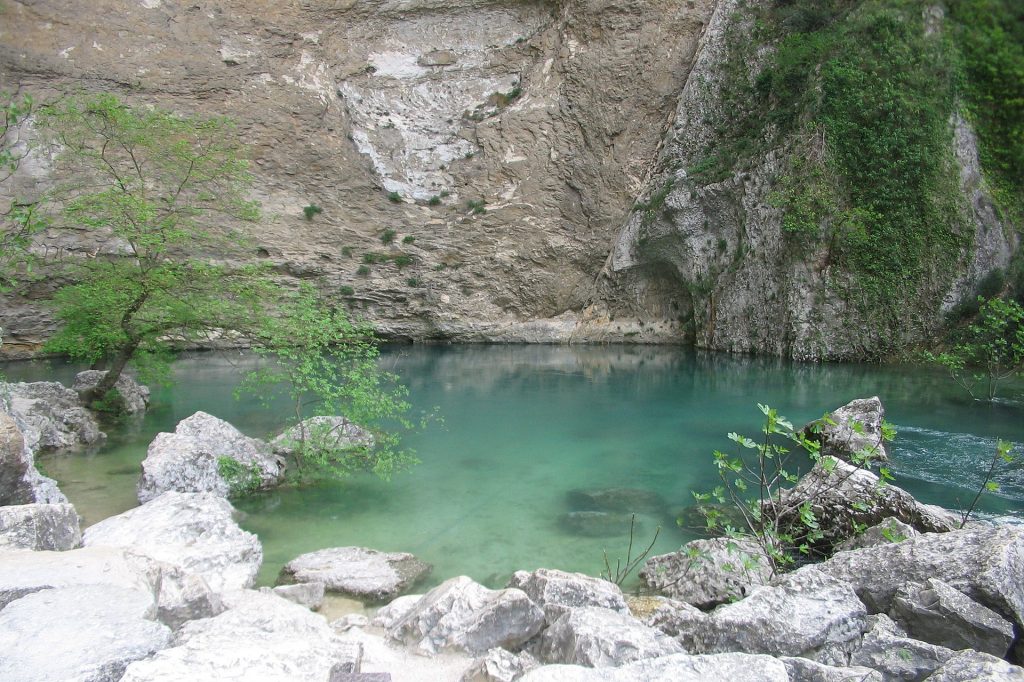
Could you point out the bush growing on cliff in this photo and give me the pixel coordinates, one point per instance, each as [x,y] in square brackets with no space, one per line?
[19,219]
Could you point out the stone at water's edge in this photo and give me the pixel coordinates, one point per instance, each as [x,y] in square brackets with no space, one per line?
[20,481]
[310,595]
[462,615]
[83,632]
[51,416]
[40,527]
[558,591]
[194,531]
[599,638]
[359,572]
[332,432]
[706,573]
[132,397]
[857,431]
[188,460]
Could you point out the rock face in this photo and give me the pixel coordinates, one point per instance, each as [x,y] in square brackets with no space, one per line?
[194,531]
[40,527]
[51,415]
[984,562]
[462,615]
[599,638]
[132,397]
[706,573]
[20,481]
[843,496]
[558,592]
[856,430]
[189,460]
[357,571]
[260,637]
[86,632]
[938,614]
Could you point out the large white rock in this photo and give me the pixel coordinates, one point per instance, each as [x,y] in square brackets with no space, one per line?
[260,637]
[86,633]
[973,666]
[188,460]
[855,430]
[706,573]
[20,481]
[133,397]
[194,531]
[599,638]
[328,432]
[886,648]
[558,591]
[52,416]
[676,668]
[359,572]
[462,615]
[40,527]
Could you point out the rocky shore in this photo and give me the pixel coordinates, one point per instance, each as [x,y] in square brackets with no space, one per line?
[166,591]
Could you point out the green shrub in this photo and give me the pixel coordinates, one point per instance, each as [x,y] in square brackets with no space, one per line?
[413,282]
[408,239]
[434,200]
[363,270]
[241,479]
[346,290]
[387,236]
[394,197]
[311,211]
[476,206]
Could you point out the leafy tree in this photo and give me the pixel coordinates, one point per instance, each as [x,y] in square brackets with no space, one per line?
[992,348]
[326,366]
[151,190]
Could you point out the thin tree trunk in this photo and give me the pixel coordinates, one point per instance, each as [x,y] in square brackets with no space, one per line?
[114,370]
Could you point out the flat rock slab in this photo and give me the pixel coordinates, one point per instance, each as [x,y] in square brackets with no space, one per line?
[365,574]
[85,632]
[558,591]
[194,531]
[676,668]
[600,638]
[40,527]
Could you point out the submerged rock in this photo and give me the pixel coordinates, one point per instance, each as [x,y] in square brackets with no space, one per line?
[558,591]
[334,433]
[359,572]
[855,431]
[706,573]
[631,500]
[190,460]
[82,632]
[194,531]
[599,638]
[131,397]
[597,524]
[40,527]
[462,615]
[51,416]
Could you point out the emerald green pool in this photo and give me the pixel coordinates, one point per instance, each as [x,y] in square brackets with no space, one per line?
[525,425]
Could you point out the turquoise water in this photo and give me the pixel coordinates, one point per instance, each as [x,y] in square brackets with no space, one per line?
[525,425]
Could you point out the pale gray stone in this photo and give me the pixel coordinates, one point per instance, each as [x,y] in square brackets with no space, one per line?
[499,665]
[733,667]
[40,527]
[395,611]
[678,620]
[310,595]
[328,432]
[194,531]
[856,431]
[462,615]
[706,573]
[184,596]
[938,614]
[983,562]
[259,637]
[888,531]
[358,572]
[558,591]
[87,633]
[52,416]
[897,657]
[974,666]
[599,638]
[134,397]
[805,670]
[20,481]
[188,460]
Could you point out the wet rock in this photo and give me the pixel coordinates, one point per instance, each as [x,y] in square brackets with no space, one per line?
[51,417]
[194,531]
[888,531]
[259,637]
[499,665]
[362,573]
[24,572]
[805,670]
[797,615]
[936,613]
[844,497]
[557,591]
[599,638]
[40,527]
[675,668]
[597,524]
[131,397]
[885,648]
[333,433]
[973,666]
[630,500]
[855,431]
[310,595]
[462,615]
[983,562]
[395,611]
[83,632]
[188,460]
[706,573]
